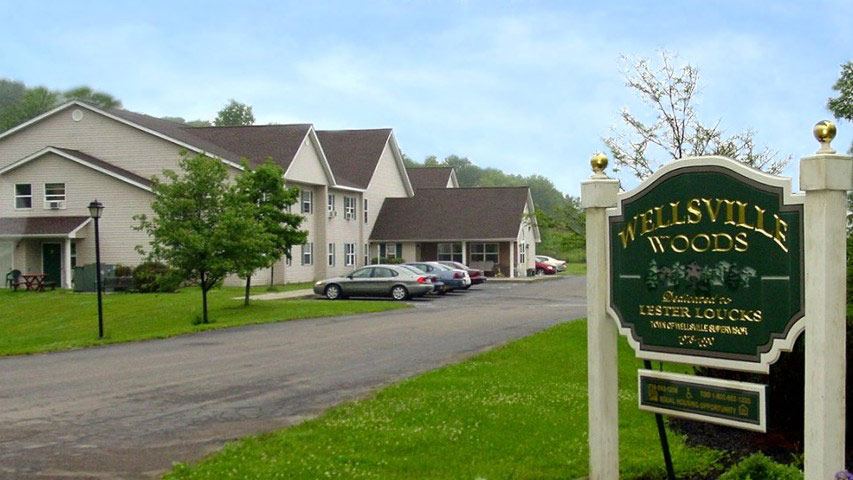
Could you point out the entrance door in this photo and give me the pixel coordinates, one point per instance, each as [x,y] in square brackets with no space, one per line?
[51,262]
[5,259]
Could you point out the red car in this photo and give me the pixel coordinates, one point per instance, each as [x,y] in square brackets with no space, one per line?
[476,275]
[543,268]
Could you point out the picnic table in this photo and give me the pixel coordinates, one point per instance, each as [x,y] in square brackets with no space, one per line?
[34,282]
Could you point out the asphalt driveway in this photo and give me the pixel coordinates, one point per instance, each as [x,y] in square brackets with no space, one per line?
[129,411]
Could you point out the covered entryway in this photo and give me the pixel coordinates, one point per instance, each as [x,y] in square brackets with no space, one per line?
[41,245]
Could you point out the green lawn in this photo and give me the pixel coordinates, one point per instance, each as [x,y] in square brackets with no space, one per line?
[574,269]
[39,322]
[519,412]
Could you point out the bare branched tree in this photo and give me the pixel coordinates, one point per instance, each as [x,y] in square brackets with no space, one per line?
[675,131]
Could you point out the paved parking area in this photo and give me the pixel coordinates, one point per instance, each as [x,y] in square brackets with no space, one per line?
[129,411]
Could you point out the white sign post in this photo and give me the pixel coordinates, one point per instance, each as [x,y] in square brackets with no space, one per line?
[825,177]
[597,195]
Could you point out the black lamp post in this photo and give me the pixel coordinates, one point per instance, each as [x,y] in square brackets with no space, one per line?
[96,208]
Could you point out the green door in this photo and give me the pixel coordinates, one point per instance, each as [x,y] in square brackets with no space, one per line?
[51,262]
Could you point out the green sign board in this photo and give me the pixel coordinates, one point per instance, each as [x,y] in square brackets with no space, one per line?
[706,265]
[736,404]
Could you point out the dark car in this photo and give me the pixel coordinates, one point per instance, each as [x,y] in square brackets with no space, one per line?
[477,276]
[543,268]
[376,281]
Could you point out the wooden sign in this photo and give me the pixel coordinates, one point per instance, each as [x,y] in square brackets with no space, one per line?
[706,265]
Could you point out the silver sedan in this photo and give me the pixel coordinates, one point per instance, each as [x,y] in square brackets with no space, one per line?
[376,281]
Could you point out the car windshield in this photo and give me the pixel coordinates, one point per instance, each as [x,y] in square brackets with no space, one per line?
[410,268]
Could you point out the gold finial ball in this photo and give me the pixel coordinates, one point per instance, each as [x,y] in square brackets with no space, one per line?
[824,131]
[598,162]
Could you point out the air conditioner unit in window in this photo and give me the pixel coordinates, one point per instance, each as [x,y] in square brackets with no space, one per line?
[333,213]
[56,204]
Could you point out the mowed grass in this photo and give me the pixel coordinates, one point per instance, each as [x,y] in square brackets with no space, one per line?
[517,412]
[39,322]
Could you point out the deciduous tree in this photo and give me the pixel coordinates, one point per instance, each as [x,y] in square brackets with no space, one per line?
[672,129]
[261,195]
[234,114]
[195,228]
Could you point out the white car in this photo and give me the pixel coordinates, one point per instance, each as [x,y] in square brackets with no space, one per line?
[560,265]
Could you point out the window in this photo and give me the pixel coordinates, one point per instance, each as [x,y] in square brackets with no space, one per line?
[366,254]
[380,272]
[332,211]
[451,252]
[73,254]
[331,254]
[23,195]
[349,208]
[363,273]
[365,214]
[289,261]
[349,254]
[307,201]
[54,195]
[307,254]
[390,250]
[522,253]
[485,252]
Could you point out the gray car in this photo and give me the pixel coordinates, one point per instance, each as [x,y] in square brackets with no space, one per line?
[376,281]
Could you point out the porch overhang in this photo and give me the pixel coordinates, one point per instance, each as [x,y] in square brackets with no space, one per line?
[43,227]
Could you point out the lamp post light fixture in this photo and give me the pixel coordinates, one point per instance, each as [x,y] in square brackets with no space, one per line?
[96,208]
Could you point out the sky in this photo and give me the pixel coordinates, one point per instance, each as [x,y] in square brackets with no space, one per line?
[529,87]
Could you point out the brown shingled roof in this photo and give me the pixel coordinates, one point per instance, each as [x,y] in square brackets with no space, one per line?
[353,154]
[48,225]
[452,214]
[429,177]
[106,166]
[257,142]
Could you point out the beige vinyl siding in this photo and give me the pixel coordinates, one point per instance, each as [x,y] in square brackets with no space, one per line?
[307,167]
[387,182]
[341,231]
[96,135]
[526,237]
[297,272]
[82,185]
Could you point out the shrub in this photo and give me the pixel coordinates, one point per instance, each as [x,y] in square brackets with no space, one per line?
[124,271]
[388,261]
[155,277]
[757,466]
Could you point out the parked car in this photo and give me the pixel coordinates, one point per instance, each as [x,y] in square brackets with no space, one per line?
[376,281]
[477,275]
[560,265]
[438,286]
[543,268]
[453,278]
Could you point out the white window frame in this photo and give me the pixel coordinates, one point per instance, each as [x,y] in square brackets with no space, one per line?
[365,215]
[522,253]
[73,256]
[30,196]
[53,197]
[366,254]
[308,253]
[307,201]
[331,205]
[331,254]
[349,208]
[390,250]
[349,254]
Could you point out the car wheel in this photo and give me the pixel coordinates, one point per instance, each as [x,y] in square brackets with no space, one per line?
[540,271]
[333,292]
[399,293]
